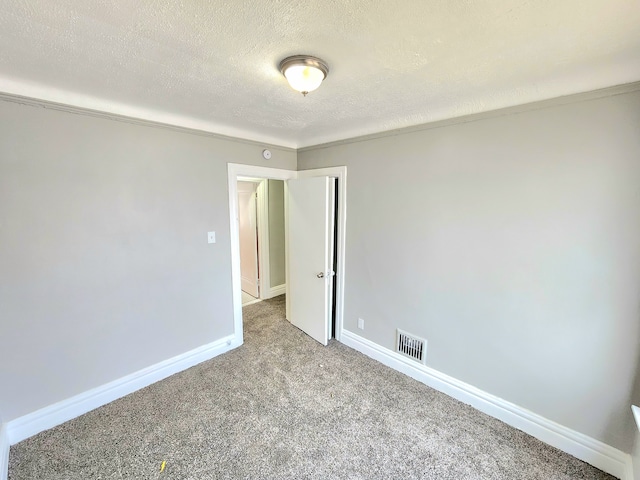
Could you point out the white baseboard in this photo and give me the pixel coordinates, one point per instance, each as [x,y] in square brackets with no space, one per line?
[4,452]
[257,300]
[53,415]
[594,452]
[275,291]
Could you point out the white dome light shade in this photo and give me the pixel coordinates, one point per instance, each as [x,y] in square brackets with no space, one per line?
[304,73]
[304,79]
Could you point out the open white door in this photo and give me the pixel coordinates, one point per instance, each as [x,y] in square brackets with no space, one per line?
[248,237]
[310,261]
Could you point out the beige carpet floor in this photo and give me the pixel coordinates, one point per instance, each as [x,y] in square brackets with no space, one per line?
[284,407]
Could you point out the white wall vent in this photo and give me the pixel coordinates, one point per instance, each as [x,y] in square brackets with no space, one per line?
[411,346]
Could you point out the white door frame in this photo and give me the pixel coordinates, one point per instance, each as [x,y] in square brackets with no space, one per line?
[236,170]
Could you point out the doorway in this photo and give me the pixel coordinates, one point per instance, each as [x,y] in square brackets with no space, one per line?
[236,172]
[248,235]
[261,218]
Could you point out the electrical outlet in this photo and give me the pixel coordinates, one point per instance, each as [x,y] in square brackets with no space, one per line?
[211,237]
[361,324]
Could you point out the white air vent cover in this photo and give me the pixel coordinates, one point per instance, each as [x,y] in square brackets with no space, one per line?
[411,346]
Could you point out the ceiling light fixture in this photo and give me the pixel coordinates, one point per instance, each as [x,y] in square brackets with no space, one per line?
[304,73]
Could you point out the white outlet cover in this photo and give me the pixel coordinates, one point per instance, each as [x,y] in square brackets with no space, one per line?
[361,324]
[211,237]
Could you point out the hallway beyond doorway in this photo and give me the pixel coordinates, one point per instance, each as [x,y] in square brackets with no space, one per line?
[248,299]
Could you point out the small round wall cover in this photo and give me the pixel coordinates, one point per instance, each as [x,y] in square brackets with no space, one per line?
[266,154]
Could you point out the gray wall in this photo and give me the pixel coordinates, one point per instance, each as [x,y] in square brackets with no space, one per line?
[104,263]
[276,233]
[513,245]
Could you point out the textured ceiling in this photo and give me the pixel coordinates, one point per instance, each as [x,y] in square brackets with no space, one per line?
[212,65]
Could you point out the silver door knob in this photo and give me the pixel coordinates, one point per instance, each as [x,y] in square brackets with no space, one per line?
[320,275]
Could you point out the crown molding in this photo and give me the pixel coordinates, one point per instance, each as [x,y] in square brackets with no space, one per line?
[538,105]
[525,107]
[63,107]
